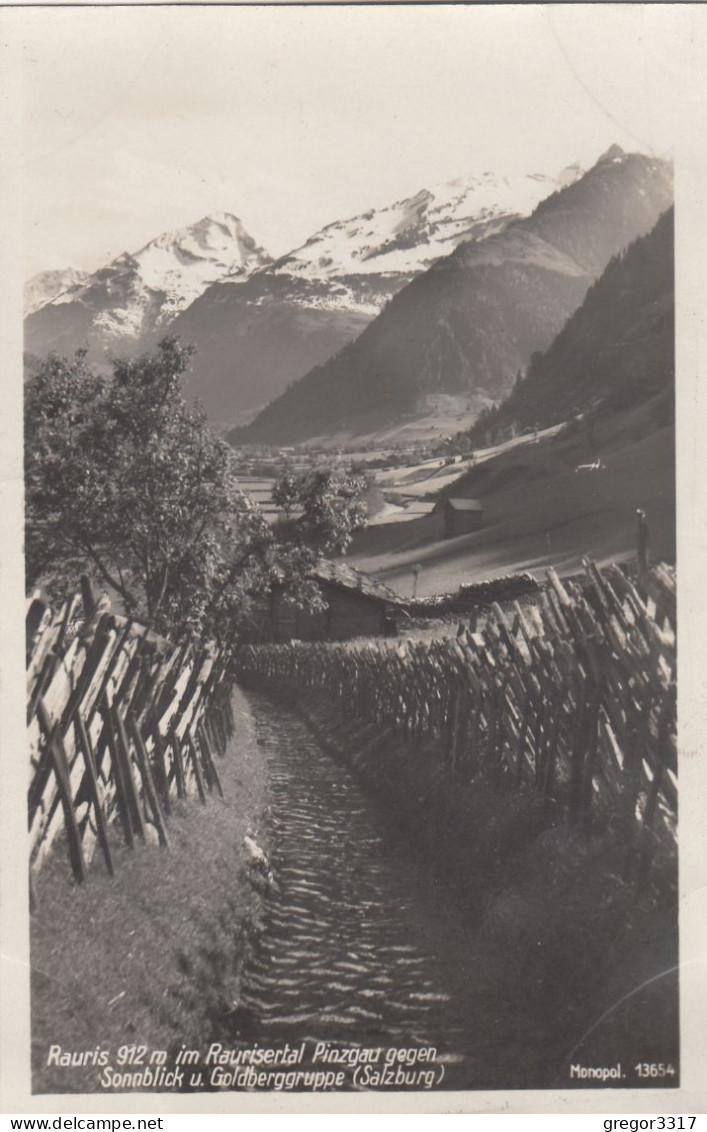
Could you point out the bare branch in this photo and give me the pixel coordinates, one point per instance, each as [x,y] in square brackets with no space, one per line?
[112,581]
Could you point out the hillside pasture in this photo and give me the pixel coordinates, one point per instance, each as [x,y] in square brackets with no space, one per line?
[540,510]
[431,476]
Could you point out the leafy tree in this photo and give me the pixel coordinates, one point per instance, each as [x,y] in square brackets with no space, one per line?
[324,507]
[123,479]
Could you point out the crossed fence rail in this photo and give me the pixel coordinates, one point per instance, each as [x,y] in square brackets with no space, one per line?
[120,724]
[572,698]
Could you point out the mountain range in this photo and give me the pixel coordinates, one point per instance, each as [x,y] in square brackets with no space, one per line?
[442,297]
[259,324]
[473,320]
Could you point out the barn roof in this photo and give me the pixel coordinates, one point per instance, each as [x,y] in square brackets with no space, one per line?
[465,504]
[348,578]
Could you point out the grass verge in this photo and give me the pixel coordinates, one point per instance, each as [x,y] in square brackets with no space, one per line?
[154,955]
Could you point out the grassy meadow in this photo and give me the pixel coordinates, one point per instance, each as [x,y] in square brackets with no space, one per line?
[540,509]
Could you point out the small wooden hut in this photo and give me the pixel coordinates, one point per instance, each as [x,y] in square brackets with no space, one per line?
[357,605]
[460,516]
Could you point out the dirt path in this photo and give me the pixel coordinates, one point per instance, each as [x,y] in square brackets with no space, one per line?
[360,946]
[352,942]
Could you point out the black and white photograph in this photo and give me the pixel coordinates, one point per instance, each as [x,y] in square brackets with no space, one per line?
[349,758]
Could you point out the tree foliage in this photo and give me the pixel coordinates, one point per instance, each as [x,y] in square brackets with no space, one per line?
[325,507]
[125,480]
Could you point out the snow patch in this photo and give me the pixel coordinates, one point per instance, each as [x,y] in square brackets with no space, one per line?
[49,286]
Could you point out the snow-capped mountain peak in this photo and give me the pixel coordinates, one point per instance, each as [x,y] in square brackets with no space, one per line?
[182,263]
[138,293]
[409,235]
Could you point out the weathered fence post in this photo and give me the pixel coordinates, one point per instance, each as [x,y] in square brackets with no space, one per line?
[643,563]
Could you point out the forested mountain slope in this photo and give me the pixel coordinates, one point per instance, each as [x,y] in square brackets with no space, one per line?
[475,318]
[616,351]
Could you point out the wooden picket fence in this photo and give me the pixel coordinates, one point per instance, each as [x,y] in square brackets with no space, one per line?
[572,698]
[120,723]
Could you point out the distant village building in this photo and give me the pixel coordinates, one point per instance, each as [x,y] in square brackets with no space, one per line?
[460,516]
[357,605]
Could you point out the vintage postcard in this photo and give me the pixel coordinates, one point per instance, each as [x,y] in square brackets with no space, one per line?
[353,499]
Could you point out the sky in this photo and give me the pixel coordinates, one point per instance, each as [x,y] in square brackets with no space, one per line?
[138,120]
